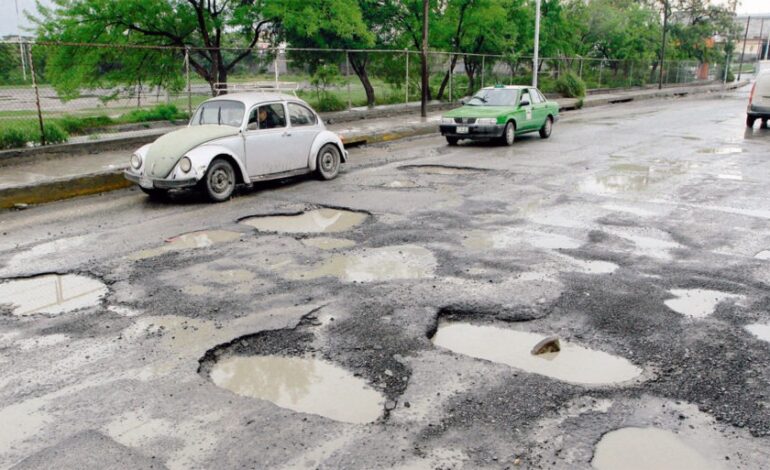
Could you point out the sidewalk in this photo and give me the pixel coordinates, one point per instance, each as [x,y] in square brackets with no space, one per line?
[88,167]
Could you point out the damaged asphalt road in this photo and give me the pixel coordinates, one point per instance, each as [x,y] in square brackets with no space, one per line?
[389,314]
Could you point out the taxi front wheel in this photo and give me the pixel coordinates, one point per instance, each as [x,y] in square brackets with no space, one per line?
[509,134]
[750,121]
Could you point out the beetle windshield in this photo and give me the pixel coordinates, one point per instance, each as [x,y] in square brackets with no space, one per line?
[221,112]
[494,97]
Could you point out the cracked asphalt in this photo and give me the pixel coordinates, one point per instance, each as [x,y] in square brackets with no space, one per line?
[594,235]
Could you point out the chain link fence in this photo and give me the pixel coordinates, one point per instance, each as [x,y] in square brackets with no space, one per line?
[52,93]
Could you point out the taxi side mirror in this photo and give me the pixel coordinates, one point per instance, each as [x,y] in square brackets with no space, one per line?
[524,103]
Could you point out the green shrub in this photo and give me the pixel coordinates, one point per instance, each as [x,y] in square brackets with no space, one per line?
[22,134]
[730,76]
[328,102]
[160,112]
[571,86]
[13,137]
[80,125]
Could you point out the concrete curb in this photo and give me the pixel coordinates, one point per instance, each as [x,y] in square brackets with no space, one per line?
[113,179]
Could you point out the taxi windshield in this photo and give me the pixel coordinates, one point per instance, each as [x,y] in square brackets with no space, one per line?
[220,112]
[494,97]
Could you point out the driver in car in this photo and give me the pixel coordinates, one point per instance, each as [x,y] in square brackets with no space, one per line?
[267,118]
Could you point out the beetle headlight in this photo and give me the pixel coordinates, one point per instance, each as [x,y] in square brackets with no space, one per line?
[185,164]
[486,121]
[447,120]
[136,161]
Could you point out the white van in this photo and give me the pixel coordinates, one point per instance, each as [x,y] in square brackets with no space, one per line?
[759,100]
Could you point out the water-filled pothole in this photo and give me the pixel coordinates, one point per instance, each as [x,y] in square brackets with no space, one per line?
[315,221]
[301,384]
[697,303]
[761,331]
[375,264]
[721,150]
[441,169]
[507,238]
[647,448]
[189,241]
[763,255]
[616,183]
[325,243]
[51,294]
[574,364]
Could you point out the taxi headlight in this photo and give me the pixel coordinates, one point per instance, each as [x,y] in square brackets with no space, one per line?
[185,164]
[136,161]
[486,121]
[446,120]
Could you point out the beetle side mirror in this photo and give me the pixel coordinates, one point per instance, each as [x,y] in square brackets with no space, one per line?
[524,103]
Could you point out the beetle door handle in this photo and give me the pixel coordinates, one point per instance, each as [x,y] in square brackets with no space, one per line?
[286,134]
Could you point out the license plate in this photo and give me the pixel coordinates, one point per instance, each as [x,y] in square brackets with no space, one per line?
[462,129]
[145,182]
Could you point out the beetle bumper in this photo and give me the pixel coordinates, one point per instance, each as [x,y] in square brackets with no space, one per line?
[150,183]
[474,131]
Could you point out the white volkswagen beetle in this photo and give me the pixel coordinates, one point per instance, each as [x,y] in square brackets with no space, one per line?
[239,138]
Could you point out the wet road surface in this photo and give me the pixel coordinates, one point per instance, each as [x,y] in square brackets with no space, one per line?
[385,319]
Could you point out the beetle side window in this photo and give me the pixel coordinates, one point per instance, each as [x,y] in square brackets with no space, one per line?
[269,116]
[300,115]
[219,112]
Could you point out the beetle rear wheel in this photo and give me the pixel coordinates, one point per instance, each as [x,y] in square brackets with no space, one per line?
[545,131]
[219,182]
[328,163]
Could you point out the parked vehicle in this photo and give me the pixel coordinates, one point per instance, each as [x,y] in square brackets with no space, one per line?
[239,138]
[759,100]
[501,113]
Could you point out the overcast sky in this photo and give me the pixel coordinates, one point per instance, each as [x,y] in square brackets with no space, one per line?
[8,23]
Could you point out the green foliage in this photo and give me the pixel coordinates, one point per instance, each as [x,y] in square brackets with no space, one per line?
[571,86]
[22,134]
[160,112]
[579,103]
[78,125]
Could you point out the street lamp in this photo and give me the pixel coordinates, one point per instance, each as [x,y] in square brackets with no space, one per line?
[537,44]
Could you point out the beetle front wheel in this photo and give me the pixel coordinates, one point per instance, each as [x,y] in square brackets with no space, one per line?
[219,182]
[328,163]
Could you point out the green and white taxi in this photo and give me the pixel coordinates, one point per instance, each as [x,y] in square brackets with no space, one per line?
[501,113]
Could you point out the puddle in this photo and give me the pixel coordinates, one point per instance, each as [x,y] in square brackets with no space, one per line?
[763,255]
[647,448]
[328,243]
[730,177]
[721,150]
[398,184]
[573,364]
[315,221]
[761,331]
[649,246]
[593,267]
[611,184]
[375,264]
[697,303]
[630,167]
[189,241]
[301,384]
[507,238]
[441,169]
[53,294]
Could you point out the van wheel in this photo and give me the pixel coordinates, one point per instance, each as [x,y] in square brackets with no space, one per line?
[750,121]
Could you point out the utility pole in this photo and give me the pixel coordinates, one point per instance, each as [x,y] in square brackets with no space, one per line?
[745,38]
[424,98]
[761,32]
[536,58]
[21,46]
[663,45]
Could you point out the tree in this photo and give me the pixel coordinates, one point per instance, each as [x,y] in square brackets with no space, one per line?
[203,27]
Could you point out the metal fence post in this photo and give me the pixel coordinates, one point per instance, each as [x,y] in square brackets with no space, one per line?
[601,69]
[678,68]
[580,70]
[37,94]
[482,70]
[347,78]
[275,67]
[187,75]
[406,83]
[451,72]
[23,60]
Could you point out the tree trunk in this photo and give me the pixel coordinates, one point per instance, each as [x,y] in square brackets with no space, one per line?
[445,81]
[470,71]
[359,63]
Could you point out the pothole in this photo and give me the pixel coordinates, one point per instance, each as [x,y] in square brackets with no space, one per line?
[761,331]
[315,221]
[697,303]
[324,243]
[610,184]
[399,184]
[188,241]
[375,264]
[301,384]
[721,150]
[51,294]
[646,448]
[441,169]
[593,267]
[574,364]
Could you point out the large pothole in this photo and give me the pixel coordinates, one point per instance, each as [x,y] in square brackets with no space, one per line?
[315,221]
[188,241]
[647,448]
[573,364]
[442,169]
[51,294]
[697,303]
[301,384]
